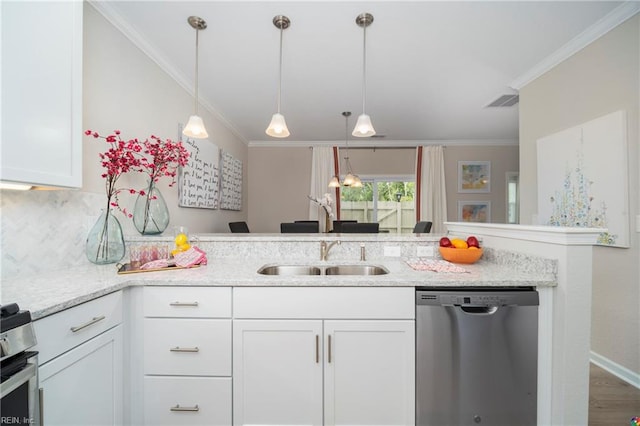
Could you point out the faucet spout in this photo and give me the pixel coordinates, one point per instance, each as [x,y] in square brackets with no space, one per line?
[324,248]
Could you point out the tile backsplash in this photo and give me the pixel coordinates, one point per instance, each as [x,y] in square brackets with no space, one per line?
[46,230]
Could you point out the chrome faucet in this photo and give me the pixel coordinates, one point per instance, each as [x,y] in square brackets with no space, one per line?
[324,248]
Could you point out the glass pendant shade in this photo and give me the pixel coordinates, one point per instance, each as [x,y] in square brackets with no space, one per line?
[349,180]
[357,183]
[334,182]
[278,127]
[195,128]
[363,128]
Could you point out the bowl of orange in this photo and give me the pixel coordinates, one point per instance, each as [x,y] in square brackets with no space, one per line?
[461,255]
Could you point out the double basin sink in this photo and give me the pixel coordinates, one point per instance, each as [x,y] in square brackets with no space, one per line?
[322,270]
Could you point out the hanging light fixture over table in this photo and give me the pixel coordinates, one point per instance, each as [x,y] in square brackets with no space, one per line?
[350,179]
[278,127]
[195,127]
[364,128]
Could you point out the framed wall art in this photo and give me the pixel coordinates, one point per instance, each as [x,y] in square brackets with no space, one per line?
[231,185]
[583,178]
[474,211]
[199,180]
[474,176]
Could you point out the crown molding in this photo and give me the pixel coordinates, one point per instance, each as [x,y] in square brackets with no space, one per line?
[384,143]
[115,19]
[614,18]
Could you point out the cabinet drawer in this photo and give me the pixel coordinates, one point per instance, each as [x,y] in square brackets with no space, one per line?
[67,329]
[195,401]
[189,347]
[187,302]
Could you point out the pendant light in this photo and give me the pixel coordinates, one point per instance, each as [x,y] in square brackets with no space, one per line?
[350,179]
[278,127]
[195,127]
[364,128]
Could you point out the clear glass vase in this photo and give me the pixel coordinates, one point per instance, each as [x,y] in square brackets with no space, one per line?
[105,242]
[150,213]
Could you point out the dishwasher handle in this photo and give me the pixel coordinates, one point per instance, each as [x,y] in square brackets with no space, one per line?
[477,310]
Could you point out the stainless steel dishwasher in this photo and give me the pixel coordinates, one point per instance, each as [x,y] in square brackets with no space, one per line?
[476,356]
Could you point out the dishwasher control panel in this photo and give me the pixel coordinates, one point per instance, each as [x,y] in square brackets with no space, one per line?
[522,297]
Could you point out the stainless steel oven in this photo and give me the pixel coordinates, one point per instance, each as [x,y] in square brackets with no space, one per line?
[20,403]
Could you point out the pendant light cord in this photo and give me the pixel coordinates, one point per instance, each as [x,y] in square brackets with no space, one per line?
[364,68]
[196,97]
[346,142]
[280,73]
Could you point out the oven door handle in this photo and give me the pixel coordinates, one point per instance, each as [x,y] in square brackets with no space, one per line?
[17,380]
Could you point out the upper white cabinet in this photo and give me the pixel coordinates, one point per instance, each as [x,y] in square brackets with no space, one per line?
[41,93]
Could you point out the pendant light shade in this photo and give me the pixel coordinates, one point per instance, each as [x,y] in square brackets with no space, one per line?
[278,126]
[195,127]
[364,128]
[334,182]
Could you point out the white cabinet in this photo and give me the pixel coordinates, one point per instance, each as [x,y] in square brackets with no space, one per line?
[277,372]
[81,356]
[321,369]
[186,344]
[84,386]
[41,139]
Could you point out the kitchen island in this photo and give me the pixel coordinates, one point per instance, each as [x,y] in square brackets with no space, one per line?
[556,261]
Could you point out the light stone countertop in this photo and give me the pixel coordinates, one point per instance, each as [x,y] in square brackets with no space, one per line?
[52,292]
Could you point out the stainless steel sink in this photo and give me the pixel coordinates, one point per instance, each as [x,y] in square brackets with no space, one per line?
[289,270]
[322,270]
[355,270]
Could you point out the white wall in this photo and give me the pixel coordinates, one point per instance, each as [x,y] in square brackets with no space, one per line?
[122,89]
[602,78]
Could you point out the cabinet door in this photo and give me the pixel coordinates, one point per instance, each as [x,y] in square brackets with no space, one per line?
[42,92]
[369,372]
[277,372]
[84,386]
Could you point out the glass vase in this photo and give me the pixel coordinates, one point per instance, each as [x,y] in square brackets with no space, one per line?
[105,242]
[150,213]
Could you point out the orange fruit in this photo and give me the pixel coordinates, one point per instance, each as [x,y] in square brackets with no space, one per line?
[459,244]
[473,248]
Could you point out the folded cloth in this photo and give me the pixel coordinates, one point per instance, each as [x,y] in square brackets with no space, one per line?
[434,265]
[191,257]
[156,264]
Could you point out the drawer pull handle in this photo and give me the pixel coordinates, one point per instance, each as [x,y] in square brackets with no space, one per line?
[179,408]
[88,323]
[194,304]
[329,349]
[317,349]
[179,349]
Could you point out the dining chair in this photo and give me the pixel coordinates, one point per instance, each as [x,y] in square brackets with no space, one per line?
[422,227]
[337,224]
[299,228]
[239,227]
[361,228]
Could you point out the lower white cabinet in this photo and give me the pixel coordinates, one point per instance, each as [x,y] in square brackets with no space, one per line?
[175,401]
[84,385]
[331,372]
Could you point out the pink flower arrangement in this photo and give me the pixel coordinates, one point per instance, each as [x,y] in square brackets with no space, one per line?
[155,157]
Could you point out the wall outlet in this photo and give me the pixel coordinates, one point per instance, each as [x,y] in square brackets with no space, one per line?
[424,251]
[392,251]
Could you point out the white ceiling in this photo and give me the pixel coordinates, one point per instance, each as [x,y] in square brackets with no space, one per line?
[431,66]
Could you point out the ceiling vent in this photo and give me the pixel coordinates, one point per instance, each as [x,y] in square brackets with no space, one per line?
[504,101]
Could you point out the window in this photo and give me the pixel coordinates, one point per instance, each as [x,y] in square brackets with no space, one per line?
[386,200]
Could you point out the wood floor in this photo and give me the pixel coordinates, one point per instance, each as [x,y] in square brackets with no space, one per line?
[612,402]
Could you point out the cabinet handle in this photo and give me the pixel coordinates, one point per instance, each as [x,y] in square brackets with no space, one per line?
[179,408]
[88,323]
[194,304]
[41,405]
[329,349]
[179,349]
[317,349]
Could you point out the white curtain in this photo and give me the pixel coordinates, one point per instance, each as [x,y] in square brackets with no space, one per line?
[322,170]
[433,193]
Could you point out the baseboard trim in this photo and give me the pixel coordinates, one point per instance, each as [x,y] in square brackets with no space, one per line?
[617,370]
